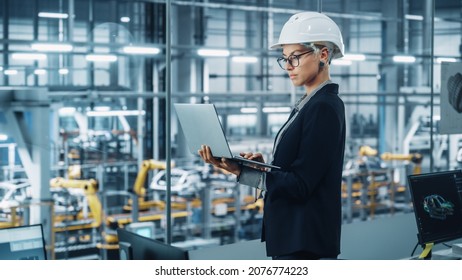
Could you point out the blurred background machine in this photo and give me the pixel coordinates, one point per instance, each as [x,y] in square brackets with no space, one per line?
[372,183]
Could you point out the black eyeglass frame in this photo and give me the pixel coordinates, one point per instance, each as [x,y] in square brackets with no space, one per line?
[282,61]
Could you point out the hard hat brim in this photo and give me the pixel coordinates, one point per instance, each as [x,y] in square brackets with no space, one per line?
[275,46]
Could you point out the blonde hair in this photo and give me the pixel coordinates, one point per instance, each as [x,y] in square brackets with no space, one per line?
[317,46]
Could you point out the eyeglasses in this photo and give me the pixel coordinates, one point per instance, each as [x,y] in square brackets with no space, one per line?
[293,60]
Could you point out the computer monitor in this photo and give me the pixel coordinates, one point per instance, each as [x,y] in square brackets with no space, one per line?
[437,199]
[133,246]
[22,243]
[146,229]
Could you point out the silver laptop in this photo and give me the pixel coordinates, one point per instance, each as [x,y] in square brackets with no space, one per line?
[201,126]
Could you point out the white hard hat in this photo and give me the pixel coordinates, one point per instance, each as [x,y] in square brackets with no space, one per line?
[311,27]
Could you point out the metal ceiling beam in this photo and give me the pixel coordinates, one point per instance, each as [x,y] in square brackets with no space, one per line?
[277,10]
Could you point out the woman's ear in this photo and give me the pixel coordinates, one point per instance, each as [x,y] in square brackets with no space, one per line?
[325,54]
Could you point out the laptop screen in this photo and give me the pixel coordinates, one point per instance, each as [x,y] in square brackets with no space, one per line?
[22,243]
[201,126]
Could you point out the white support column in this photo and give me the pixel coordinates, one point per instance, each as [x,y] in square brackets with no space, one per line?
[16,132]
[33,144]
[34,151]
[40,150]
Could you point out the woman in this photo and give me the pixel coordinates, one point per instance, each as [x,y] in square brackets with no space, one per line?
[302,212]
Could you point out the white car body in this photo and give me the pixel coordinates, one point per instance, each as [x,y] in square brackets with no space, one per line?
[13,193]
[181,180]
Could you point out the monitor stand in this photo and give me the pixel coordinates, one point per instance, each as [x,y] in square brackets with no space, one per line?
[427,252]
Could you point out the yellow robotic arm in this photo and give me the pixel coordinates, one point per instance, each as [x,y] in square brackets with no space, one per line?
[139,186]
[367,151]
[146,166]
[90,188]
[415,158]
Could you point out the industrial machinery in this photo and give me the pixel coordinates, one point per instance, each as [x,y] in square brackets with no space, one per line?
[15,197]
[395,185]
[202,204]
[90,188]
[369,173]
[149,210]
[139,187]
[12,194]
[183,181]
[372,182]
[78,232]
[415,158]
[92,136]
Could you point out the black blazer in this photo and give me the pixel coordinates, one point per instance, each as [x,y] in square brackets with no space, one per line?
[303,199]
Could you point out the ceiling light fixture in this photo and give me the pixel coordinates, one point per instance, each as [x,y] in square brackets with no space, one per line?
[115,113]
[140,50]
[29,56]
[413,17]
[445,59]
[213,52]
[276,109]
[404,58]
[101,57]
[63,71]
[10,72]
[354,57]
[341,62]
[249,110]
[48,47]
[66,111]
[53,15]
[40,71]
[245,59]
[102,109]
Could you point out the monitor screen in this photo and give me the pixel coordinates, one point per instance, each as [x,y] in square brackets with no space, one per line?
[437,199]
[133,246]
[146,229]
[22,243]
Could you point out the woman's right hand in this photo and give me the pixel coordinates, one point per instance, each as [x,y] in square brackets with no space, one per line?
[256,157]
[206,154]
[253,156]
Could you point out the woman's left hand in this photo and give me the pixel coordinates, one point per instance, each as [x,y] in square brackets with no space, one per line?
[206,154]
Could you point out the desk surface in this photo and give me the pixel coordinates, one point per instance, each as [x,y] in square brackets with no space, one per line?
[246,250]
[385,238]
[444,254]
